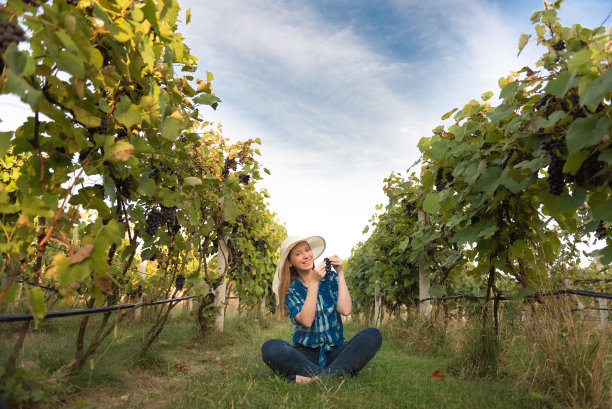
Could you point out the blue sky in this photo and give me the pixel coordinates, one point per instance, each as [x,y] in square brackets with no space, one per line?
[340,91]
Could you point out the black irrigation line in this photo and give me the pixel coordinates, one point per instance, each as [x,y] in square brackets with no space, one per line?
[536,295]
[68,313]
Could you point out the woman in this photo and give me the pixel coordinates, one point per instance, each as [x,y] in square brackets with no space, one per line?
[315,301]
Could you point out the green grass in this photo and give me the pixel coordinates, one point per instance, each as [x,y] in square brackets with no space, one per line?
[225,370]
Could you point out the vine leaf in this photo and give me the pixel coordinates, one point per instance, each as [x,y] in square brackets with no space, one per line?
[584,132]
[523,40]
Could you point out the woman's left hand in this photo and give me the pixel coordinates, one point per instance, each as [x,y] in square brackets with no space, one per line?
[336,263]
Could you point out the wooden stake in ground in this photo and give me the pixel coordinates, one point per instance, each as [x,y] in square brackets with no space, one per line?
[424,306]
[222,256]
[377,308]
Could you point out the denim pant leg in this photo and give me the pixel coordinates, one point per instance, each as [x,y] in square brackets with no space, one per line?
[357,352]
[281,357]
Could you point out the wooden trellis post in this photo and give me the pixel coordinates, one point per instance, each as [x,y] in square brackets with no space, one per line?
[222,256]
[424,306]
[377,306]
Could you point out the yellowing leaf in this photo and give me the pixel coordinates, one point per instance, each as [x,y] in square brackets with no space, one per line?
[191,181]
[523,40]
[86,118]
[121,151]
[82,254]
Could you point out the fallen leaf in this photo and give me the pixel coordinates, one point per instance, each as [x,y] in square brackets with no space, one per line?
[437,375]
[82,254]
[125,397]
[217,359]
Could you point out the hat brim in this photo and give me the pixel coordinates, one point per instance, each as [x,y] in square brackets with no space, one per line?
[317,246]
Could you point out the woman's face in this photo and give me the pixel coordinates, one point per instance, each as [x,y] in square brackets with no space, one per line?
[300,257]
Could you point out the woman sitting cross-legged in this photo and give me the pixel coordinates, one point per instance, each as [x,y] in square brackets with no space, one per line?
[315,297]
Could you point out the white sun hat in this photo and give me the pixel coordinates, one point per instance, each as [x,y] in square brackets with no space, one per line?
[316,243]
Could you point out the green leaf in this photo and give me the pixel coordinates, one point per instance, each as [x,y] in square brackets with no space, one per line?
[36,300]
[5,142]
[580,62]
[121,30]
[126,113]
[567,202]
[597,89]
[603,211]
[206,99]
[560,85]
[365,230]
[11,293]
[170,128]
[86,118]
[431,204]
[147,186]
[523,40]
[473,232]
[437,290]
[552,119]
[584,132]
[34,206]
[605,156]
[489,181]
[449,113]
[501,112]
[574,161]
[71,64]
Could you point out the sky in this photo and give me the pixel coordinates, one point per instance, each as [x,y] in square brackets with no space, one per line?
[341,91]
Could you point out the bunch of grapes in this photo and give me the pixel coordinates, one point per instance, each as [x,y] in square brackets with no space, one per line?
[328,266]
[72,2]
[154,220]
[520,156]
[10,32]
[556,178]
[261,245]
[124,186]
[169,215]
[244,178]
[585,176]
[179,282]
[443,180]
[601,232]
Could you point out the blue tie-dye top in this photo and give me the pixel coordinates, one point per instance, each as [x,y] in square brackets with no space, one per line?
[326,330]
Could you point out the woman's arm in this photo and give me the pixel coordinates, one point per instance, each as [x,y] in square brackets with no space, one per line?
[345,305]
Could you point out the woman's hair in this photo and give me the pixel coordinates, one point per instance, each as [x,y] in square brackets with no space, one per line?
[288,274]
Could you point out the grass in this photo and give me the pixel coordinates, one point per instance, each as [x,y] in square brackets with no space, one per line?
[225,370]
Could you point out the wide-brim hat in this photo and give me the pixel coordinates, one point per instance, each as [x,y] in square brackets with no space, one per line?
[316,243]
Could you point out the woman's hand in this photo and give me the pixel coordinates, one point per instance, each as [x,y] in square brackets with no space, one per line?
[336,263]
[318,272]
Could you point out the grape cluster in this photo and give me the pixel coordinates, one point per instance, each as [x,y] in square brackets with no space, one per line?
[179,282]
[586,175]
[10,32]
[443,179]
[328,266]
[182,138]
[124,186]
[556,178]
[244,178]
[520,156]
[559,45]
[261,245]
[169,214]
[154,220]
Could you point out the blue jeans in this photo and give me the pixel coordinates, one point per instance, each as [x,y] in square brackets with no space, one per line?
[346,359]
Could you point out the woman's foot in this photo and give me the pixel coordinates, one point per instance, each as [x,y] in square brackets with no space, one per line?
[304,379]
